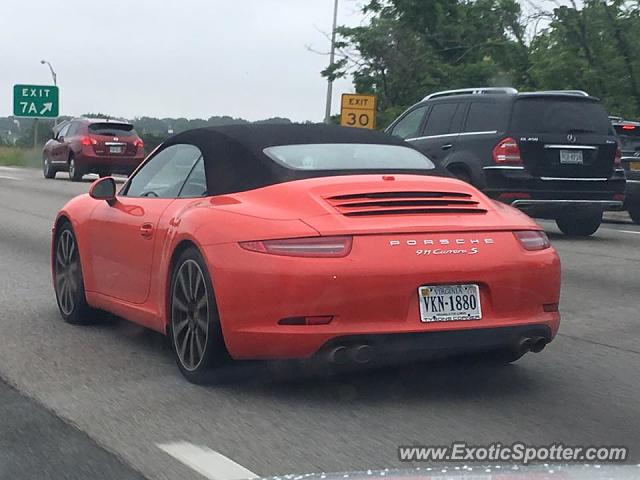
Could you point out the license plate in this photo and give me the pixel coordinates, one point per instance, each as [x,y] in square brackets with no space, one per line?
[117,149]
[635,166]
[571,157]
[449,303]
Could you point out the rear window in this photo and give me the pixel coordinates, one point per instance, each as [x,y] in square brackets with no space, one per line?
[486,117]
[546,115]
[348,156]
[112,129]
[440,118]
[629,135]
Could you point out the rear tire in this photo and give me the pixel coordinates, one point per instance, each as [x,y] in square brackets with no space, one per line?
[634,213]
[104,174]
[578,225]
[75,173]
[194,324]
[47,169]
[68,280]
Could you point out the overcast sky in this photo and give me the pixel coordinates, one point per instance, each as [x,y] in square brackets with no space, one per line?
[174,58]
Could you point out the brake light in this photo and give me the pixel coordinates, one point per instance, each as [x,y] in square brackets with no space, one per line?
[326,247]
[88,141]
[617,160]
[138,143]
[628,127]
[507,152]
[532,239]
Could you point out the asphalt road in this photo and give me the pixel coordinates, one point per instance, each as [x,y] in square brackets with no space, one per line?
[117,383]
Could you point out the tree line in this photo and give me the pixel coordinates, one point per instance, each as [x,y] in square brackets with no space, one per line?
[408,48]
[20,131]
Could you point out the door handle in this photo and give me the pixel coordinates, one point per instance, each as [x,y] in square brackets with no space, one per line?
[446,146]
[146,230]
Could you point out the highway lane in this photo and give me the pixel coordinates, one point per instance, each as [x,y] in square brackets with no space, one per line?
[118,383]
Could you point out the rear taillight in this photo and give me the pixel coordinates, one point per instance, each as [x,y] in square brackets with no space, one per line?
[326,247]
[507,152]
[138,143]
[617,160]
[628,127]
[532,239]
[88,141]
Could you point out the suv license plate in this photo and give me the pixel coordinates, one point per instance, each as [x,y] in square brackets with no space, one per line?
[115,149]
[449,303]
[571,157]
[635,166]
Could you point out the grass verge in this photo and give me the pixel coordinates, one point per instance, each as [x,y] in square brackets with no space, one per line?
[20,157]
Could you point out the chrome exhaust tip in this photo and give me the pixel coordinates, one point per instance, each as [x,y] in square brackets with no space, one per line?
[538,344]
[362,353]
[339,355]
[525,344]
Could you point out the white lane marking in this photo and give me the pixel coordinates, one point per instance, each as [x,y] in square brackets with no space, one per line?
[207,462]
[13,169]
[7,177]
[625,231]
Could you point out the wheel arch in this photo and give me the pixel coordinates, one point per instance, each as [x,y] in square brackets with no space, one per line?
[62,218]
[464,163]
[459,166]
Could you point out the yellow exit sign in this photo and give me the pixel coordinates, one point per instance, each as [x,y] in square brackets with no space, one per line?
[358,110]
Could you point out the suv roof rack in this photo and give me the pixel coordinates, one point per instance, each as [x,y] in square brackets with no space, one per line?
[580,93]
[472,91]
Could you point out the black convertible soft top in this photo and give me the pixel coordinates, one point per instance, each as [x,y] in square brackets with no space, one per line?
[235,160]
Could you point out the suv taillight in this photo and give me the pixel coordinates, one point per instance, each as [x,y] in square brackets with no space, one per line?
[88,141]
[617,160]
[138,143]
[507,152]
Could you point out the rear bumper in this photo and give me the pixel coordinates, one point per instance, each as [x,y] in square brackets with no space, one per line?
[437,343]
[633,187]
[557,206]
[114,164]
[372,294]
[546,196]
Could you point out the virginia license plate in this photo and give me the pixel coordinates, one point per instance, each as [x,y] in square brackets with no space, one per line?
[635,166]
[116,149]
[449,303]
[571,157]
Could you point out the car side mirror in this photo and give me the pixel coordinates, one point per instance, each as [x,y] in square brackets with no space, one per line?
[104,189]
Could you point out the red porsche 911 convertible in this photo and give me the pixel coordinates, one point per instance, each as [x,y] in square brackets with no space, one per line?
[289,242]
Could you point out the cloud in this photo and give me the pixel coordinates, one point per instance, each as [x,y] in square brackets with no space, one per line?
[191,58]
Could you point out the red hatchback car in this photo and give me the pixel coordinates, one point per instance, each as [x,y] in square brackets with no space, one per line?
[86,145]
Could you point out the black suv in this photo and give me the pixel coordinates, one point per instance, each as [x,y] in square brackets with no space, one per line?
[629,136]
[552,154]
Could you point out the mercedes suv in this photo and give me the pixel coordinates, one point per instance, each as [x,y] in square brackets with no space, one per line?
[553,154]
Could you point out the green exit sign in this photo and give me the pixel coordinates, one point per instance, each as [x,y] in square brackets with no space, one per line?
[36,101]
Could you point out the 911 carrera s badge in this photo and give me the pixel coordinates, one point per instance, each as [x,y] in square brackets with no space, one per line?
[444,246]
